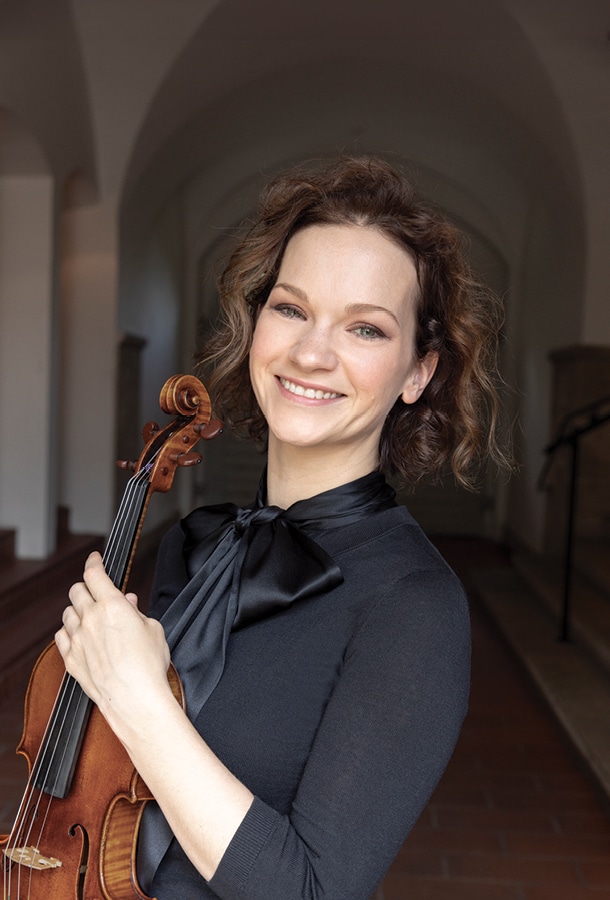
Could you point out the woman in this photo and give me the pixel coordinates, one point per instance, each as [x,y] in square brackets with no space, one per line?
[322,641]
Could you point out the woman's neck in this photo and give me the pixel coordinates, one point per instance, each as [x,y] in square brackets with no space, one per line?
[296,473]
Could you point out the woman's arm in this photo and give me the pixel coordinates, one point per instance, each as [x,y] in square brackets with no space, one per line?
[120,658]
[385,738]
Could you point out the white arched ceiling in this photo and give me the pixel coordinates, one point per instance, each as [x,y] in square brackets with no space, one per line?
[455,87]
[42,81]
[474,151]
[241,43]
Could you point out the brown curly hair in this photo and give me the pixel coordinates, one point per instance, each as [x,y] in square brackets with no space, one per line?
[454,423]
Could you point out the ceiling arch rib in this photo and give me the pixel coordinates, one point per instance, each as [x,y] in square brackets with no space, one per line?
[42,81]
[20,151]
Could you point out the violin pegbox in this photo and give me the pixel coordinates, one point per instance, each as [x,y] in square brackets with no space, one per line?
[184,397]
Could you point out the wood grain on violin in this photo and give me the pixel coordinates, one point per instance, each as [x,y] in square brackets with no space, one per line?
[75,836]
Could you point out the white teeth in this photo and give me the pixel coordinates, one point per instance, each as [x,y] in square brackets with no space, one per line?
[310,393]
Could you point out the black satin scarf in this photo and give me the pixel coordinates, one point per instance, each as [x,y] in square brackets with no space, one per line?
[244,565]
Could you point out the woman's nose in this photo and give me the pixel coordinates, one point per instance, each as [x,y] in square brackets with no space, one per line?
[315,349]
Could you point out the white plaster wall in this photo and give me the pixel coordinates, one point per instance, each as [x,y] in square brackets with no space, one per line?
[28,485]
[88,365]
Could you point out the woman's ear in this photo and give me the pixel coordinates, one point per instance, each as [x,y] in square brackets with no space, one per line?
[423,370]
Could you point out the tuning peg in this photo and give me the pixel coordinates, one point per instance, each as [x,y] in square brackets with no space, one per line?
[192,458]
[126,464]
[209,431]
[149,431]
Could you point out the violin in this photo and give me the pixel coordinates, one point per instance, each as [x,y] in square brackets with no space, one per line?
[75,835]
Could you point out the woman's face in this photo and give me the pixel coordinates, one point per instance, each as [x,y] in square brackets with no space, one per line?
[333,346]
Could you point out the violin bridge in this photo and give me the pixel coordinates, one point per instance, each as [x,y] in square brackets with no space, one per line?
[32,858]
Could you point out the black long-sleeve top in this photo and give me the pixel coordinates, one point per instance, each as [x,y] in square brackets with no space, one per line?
[339,713]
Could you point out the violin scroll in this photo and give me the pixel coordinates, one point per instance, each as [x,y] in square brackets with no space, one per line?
[184,397]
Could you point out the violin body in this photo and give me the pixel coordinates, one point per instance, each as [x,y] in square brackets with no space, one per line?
[71,854]
[76,833]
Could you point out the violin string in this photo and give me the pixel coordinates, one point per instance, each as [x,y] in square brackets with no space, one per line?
[22,834]
[25,807]
[43,795]
[30,809]
[28,839]
[47,788]
[118,548]
[68,690]
[127,518]
[123,521]
[115,556]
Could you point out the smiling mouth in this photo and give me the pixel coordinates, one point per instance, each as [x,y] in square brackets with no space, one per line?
[309,393]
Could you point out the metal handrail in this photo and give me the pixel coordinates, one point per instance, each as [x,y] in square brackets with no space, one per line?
[596,418]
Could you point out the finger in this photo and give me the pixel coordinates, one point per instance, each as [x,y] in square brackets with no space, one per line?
[71,619]
[96,579]
[62,640]
[94,564]
[79,596]
[133,599]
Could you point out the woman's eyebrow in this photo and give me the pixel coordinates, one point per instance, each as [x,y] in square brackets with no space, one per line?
[351,308]
[356,308]
[292,289]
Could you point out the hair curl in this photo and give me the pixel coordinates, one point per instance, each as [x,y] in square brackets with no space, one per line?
[454,422]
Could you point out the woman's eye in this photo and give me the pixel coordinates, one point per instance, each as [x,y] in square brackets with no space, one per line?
[369,332]
[290,312]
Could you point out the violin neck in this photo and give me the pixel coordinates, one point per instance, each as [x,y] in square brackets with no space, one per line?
[56,762]
[121,543]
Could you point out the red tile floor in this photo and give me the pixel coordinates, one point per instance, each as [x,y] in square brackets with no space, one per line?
[514,818]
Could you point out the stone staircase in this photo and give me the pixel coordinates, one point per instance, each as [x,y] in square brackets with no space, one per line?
[525,599]
[33,594]
[589,597]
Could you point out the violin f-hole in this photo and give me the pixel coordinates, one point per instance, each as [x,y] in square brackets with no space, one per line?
[84,859]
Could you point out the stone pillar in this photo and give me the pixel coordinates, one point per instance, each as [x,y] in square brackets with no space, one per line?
[89,364]
[28,479]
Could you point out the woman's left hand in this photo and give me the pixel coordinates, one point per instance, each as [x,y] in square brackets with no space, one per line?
[120,658]
[112,649]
